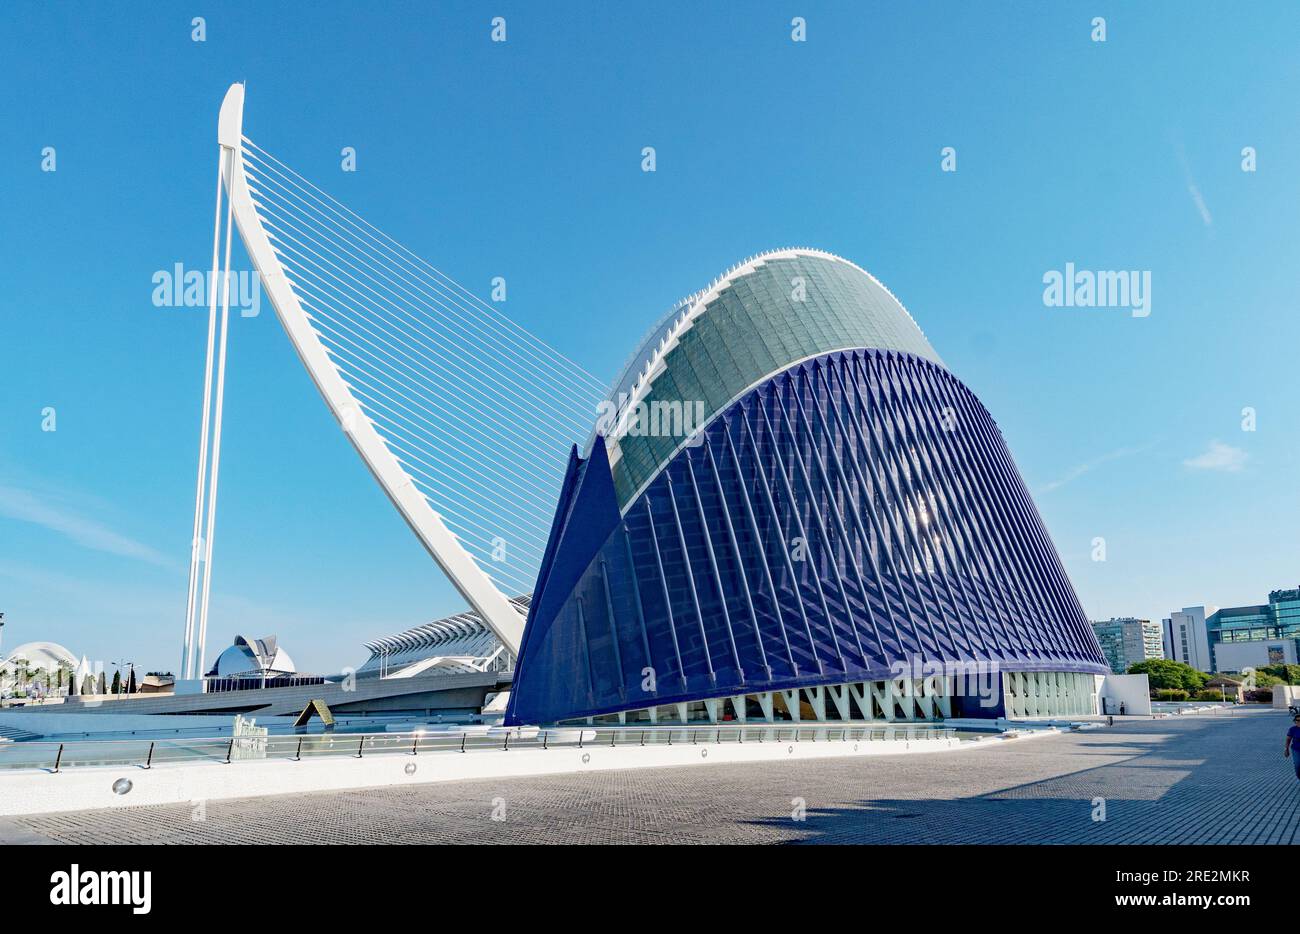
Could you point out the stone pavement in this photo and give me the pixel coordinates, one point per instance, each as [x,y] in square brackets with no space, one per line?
[1216,780]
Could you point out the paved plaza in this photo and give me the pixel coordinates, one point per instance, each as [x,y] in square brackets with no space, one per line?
[1205,780]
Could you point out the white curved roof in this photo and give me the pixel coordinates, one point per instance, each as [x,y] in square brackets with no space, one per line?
[640,368]
[47,655]
[766,314]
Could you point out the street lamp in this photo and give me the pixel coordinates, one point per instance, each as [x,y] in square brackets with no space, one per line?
[122,682]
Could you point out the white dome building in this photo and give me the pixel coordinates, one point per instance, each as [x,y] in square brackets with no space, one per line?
[253,658]
[47,655]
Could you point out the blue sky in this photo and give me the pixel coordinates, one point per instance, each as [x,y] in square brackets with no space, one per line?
[522,159]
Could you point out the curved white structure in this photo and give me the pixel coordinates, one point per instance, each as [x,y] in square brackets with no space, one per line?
[474,585]
[249,657]
[47,655]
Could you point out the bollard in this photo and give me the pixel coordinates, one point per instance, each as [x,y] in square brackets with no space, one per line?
[462,742]
[148,763]
[58,759]
[230,749]
[506,747]
[415,745]
[360,744]
[298,757]
[545,738]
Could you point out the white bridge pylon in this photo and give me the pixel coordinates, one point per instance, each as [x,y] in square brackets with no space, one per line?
[349,317]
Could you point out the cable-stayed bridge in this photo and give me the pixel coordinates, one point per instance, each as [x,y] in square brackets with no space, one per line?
[463,417]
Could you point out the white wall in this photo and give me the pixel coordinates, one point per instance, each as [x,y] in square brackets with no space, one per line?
[1235,656]
[1133,691]
[34,792]
[1285,695]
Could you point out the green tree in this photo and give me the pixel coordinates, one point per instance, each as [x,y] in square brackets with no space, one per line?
[130,682]
[1290,674]
[1163,674]
[117,682]
[103,684]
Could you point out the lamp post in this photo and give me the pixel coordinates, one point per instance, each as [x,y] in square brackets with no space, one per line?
[123,682]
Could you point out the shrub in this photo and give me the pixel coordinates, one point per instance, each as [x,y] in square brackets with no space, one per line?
[1264,696]
[1170,694]
[1209,694]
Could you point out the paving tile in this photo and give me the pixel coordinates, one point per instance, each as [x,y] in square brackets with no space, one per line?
[1206,780]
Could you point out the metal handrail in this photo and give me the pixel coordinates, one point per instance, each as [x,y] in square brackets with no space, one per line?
[144,753]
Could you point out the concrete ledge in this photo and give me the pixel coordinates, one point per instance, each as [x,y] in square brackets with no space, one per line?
[37,792]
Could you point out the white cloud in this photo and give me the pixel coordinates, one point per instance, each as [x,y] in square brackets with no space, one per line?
[1218,456]
[1079,470]
[1192,189]
[26,506]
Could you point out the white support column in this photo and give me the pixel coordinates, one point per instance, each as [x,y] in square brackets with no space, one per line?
[939,688]
[196,543]
[883,692]
[765,702]
[817,701]
[840,695]
[654,714]
[924,700]
[903,694]
[791,699]
[862,694]
[711,706]
[739,707]
[214,470]
[681,712]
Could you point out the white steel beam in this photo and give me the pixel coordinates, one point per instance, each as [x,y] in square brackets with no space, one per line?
[501,616]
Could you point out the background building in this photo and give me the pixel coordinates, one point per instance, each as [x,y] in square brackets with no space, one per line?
[1254,636]
[456,645]
[1185,637]
[1127,640]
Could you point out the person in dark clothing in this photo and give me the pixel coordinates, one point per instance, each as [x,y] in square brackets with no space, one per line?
[1292,747]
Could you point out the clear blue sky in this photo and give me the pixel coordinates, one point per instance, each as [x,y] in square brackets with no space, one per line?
[523,160]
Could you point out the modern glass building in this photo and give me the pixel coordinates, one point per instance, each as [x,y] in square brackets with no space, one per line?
[1254,636]
[793,510]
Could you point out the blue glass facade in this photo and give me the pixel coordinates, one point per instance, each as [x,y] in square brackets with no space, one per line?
[854,511]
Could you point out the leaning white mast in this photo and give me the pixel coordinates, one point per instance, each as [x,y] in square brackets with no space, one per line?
[496,610]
